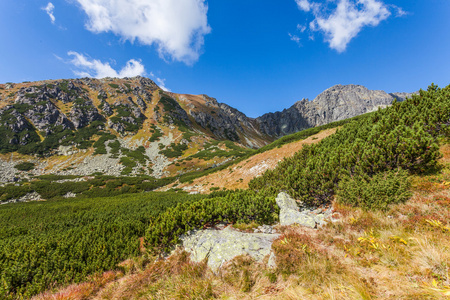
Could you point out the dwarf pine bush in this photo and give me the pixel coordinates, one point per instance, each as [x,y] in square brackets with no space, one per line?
[376,192]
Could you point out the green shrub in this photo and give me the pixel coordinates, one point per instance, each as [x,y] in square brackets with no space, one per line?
[25,166]
[376,192]
[156,134]
[230,207]
[99,145]
[174,150]
[129,165]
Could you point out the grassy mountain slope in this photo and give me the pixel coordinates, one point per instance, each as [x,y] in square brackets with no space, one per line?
[239,174]
[400,253]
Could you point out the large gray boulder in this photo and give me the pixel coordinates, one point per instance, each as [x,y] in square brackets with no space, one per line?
[220,246]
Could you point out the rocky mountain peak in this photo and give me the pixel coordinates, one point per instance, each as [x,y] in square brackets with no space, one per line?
[336,103]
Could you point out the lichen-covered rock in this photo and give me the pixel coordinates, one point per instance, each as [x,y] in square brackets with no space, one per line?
[15,127]
[106,108]
[33,196]
[220,246]
[284,201]
[290,214]
[38,108]
[83,113]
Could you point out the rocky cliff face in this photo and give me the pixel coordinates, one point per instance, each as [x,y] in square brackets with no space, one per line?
[336,103]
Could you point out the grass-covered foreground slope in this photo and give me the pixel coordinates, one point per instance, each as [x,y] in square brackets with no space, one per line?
[351,258]
[57,242]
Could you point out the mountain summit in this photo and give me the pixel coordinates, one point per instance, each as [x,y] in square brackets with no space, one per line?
[334,104]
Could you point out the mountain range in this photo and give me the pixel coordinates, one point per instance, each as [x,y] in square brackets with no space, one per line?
[131,126]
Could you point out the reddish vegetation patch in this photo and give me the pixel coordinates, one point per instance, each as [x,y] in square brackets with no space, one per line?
[239,175]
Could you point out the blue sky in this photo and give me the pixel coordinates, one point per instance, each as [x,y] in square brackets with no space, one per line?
[255,55]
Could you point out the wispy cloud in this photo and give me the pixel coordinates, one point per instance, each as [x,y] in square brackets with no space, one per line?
[49,10]
[87,67]
[176,27]
[304,5]
[301,28]
[399,11]
[161,82]
[342,20]
[295,38]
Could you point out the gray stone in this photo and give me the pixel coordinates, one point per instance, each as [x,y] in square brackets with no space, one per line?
[272,261]
[319,218]
[284,201]
[220,246]
[289,213]
[290,216]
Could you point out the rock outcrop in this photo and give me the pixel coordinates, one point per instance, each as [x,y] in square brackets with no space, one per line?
[291,214]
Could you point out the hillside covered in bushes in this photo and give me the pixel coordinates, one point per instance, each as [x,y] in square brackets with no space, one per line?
[376,152]
[383,172]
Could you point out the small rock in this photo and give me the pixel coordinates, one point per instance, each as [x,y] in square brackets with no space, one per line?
[289,217]
[272,262]
[70,195]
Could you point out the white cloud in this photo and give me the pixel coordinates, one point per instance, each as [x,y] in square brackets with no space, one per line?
[176,27]
[304,5]
[342,23]
[399,11]
[49,10]
[94,68]
[301,28]
[295,38]
[87,67]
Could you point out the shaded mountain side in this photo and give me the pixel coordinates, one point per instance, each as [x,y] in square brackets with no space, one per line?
[334,104]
